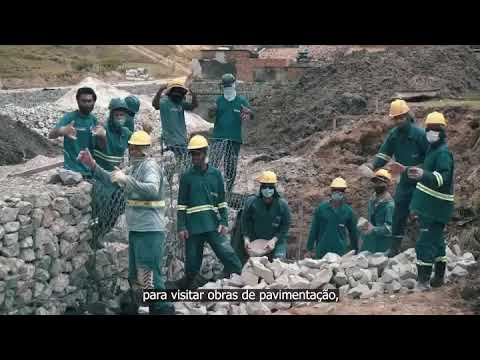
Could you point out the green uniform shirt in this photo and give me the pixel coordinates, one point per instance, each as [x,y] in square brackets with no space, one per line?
[172,116]
[71,148]
[328,232]
[433,197]
[265,222]
[409,149]
[201,201]
[228,123]
[115,145]
[380,215]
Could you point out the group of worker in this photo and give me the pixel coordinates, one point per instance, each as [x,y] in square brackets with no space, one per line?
[421,157]
[424,192]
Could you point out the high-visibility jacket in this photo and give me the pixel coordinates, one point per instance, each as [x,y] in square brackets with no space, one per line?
[201,205]
[380,215]
[433,198]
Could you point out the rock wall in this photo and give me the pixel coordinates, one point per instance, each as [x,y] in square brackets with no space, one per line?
[47,263]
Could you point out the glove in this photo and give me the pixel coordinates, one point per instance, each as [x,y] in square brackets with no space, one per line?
[99,131]
[119,177]
[222,230]
[271,244]
[86,158]
[396,168]
[246,241]
[415,173]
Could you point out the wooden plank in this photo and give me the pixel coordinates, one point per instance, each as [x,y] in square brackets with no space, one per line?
[38,170]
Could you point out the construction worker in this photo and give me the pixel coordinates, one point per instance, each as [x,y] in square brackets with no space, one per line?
[202,215]
[133,104]
[377,232]
[76,128]
[230,111]
[330,223]
[433,202]
[267,216]
[144,186]
[174,129]
[407,143]
[110,143]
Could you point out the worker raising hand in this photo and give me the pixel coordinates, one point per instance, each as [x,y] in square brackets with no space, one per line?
[69,131]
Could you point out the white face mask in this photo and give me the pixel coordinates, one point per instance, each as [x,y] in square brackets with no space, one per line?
[433,136]
[229,93]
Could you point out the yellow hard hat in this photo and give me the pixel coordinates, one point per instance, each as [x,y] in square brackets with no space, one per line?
[436,118]
[197,142]
[267,177]
[175,84]
[398,107]
[140,138]
[338,183]
[384,174]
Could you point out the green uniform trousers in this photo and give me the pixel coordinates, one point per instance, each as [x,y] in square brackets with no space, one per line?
[221,247]
[401,212]
[145,253]
[430,245]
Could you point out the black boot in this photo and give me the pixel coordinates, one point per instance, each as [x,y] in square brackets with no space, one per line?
[438,278]
[189,281]
[423,277]
[395,249]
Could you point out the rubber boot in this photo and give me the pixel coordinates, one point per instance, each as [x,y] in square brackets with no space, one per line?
[395,249]
[189,281]
[423,278]
[438,278]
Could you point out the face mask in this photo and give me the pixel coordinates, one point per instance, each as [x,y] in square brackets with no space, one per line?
[268,192]
[120,121]
[433,136]
[380,189]
[405,124]
[338,196]
[229,93]
[176,98]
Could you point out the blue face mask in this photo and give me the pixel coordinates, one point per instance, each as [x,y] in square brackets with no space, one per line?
[267,192]
[338,196]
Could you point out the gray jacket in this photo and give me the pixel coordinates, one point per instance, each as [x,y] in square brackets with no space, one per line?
[146,182]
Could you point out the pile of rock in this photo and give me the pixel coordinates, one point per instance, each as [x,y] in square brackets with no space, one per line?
[44,249]
[138,74]
[363,276]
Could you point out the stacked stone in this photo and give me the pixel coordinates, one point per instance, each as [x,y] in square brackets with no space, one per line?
[363,276]
[44,248]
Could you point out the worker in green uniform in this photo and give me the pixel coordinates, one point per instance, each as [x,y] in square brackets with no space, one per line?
[110,144]
[144,186]
[330,224]
[172,106]
[230,111]
[202,215]
[433,202]
[133,104]
[76,128]
[407,143]
[377,232]
[267,217]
